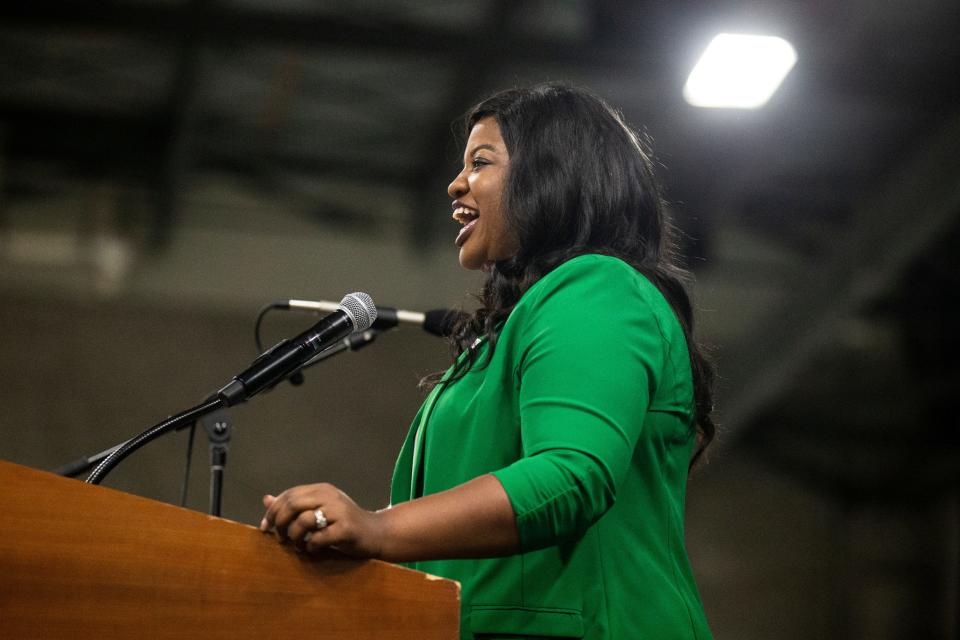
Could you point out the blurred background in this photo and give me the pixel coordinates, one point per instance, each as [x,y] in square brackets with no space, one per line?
[168,167]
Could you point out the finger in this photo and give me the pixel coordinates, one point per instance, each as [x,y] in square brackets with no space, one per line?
[284,516]
[323,539]
[268,500]
[293,503]
[304,523]
[278,514]
[272,507]
[299,499]
[288,505]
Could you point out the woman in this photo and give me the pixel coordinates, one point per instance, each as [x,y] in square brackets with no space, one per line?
[546,470]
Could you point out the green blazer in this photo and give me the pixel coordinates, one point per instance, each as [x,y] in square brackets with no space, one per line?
[584,414]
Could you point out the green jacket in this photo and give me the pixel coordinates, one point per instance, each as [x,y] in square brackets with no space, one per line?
[584,414]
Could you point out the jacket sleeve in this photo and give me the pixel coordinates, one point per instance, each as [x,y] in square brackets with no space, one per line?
[591,352]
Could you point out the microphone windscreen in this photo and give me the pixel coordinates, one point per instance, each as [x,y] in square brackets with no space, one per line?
[442,322]
[359,306]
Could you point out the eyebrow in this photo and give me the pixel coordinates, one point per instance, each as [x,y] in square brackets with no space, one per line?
[483,146]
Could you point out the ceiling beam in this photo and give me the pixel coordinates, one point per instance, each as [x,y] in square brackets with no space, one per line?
[137,146]
[88,143]
[220,23]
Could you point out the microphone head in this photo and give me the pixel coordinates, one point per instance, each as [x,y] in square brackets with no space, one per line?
[442,322]
[359,306]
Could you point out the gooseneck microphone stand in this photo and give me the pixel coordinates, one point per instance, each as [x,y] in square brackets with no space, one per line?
[217,424]
[75,468]
[131,445]
[356,312]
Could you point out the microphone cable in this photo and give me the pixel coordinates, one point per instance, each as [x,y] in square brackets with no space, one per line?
[260,316]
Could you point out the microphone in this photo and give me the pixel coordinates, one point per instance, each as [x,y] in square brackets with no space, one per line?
[356,312]
[439,322]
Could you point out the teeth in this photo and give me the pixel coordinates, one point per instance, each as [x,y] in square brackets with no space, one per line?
[463,215]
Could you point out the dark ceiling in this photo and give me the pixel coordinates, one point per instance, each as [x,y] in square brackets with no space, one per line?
[822,227]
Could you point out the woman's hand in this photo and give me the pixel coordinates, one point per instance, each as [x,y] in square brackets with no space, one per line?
[350,529]
[472,520]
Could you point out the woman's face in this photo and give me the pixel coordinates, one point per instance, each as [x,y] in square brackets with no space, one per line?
[478,198]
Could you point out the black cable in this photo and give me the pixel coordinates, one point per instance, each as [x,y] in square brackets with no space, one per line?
[186,470]
[260,314]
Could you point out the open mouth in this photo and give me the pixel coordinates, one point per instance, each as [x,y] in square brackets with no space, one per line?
[468,218]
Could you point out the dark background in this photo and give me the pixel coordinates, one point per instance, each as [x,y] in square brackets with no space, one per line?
[168,167]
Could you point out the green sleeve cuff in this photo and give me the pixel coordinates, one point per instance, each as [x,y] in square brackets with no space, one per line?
[555,496]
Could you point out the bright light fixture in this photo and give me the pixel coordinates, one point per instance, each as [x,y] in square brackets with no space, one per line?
[739,71]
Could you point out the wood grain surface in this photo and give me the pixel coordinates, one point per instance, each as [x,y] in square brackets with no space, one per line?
[82,561]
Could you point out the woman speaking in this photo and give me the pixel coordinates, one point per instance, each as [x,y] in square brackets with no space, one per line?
[546,470]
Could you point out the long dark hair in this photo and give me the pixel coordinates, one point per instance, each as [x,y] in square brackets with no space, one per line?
[579,181]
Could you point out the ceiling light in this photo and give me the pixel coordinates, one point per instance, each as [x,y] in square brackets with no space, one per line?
[739,71]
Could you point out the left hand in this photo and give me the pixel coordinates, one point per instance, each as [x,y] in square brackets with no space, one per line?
[349,529]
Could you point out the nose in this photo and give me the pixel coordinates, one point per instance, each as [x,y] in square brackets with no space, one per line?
[458,187]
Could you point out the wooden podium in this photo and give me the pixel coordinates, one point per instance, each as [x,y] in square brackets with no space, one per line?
[83,561]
